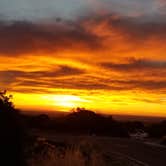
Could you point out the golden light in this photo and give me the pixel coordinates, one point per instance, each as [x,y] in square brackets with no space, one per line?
[67,100]
[116,103]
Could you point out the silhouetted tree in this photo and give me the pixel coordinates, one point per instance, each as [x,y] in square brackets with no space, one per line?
[87,121]
[5,102]
[11,135]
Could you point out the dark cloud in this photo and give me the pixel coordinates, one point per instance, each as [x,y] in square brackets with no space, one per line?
[142,84]
[19,37]
[12,76]
[137,28]
[113,85]
[136,64]
[86,83]
[134,28]
[65,84]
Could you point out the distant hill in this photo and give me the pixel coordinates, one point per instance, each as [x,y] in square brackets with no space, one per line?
[145,119]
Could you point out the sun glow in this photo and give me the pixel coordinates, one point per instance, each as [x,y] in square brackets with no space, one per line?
[67,100]
[121,103]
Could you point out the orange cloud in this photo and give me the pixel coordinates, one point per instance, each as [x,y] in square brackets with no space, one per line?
[106,60]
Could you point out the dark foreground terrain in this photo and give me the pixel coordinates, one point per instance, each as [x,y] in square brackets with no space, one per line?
[89,139]
[126,151]
[81,138]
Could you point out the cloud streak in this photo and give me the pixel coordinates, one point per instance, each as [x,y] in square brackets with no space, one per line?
[136,64]
[12,76]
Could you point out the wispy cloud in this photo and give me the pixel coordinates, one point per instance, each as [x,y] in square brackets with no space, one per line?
[136,64]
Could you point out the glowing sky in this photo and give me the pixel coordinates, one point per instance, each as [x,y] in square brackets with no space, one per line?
[104,55]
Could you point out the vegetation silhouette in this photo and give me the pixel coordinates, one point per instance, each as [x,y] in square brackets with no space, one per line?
[81,121]
[11,138]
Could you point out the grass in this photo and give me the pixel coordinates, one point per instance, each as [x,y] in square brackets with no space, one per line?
[83,153]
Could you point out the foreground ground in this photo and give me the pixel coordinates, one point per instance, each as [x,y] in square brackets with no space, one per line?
[128,152]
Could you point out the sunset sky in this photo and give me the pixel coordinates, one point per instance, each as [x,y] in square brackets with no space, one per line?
[105,55]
